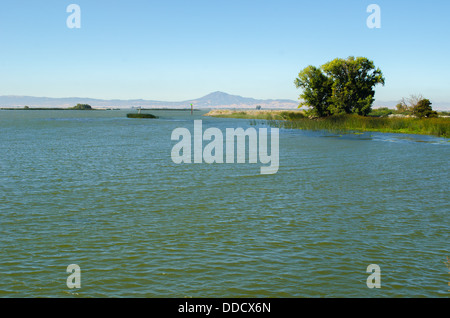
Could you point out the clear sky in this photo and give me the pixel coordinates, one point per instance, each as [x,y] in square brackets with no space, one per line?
[178,50]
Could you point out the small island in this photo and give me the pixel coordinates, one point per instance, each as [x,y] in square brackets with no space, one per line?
[26,107]
[81,107]
[131,115]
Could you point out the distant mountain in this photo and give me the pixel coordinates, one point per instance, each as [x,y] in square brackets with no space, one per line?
[213,100]
[220,99]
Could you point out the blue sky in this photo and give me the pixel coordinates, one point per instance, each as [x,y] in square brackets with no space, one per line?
[179,50]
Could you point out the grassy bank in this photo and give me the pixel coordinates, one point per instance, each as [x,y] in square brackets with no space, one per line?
[258,114]
[297,120]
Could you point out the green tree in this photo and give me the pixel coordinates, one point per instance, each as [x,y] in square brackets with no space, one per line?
[423,109]
[353,84]
[316,90]
[342,86]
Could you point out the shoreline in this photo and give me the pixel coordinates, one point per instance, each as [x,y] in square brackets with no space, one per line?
[297,119]
[50,108]
[128,109]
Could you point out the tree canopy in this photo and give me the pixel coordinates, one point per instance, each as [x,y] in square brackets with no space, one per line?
[423,109]
[342,86]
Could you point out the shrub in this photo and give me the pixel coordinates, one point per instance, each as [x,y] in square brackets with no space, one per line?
[423,109]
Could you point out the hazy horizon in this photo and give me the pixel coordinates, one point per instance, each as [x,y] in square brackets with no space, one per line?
[179,51]
[443,106]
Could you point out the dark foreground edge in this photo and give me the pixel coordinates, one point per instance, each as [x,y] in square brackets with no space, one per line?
[226,307]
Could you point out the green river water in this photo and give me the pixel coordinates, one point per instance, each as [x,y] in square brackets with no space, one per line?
[99,190]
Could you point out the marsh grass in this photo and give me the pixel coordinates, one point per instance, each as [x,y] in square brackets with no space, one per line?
[429,126]
[298,120]
[258,114]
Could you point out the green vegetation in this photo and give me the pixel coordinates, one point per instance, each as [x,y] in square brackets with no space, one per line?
[81,107]
[381,112]
[348,122]
[416,106]
[141,116]
[339,87]
[340,94]
[258,114]
[419,107]
[427,126]
[423,109]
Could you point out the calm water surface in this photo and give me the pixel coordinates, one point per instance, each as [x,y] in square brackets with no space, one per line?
[100,190]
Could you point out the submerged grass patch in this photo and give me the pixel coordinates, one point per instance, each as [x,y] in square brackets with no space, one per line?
[141,116]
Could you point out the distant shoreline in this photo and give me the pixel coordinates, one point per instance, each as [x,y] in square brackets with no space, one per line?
[49,108]
[128,109]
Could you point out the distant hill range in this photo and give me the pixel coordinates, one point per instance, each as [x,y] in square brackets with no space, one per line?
[213,100]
